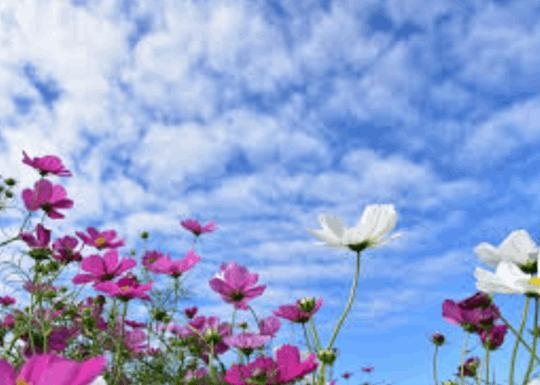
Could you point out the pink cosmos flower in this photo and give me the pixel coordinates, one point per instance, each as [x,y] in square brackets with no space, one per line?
[7,300]
[165,265]
[100,239]
[286,368]
[125,288]
[236,285]
[469,367]
[64,249]
[8,322]
[196,227]
[191,312]
[269,326]
[346,375]
[47,197]
[367,369]
[104,268]
[48,164]
[247,342]
[40,240]
[48,369]
[301,311]
[150,257]
[211,328]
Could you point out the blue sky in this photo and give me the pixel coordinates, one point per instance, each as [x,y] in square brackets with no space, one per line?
[263,114]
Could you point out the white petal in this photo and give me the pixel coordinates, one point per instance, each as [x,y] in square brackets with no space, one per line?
[488,253]
[99,381]
[489,282]
[376,221]
[534,381]
[332,224]
[327,237]
[517,247]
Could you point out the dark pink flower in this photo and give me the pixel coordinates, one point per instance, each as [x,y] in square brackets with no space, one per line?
[438,339]
[7,300]
[165,265]
[150,257]
[287,367]
[104,268]
[64,250]
[125,288]
[48,369]
[48,164]
[246,342]
[210,329]
[469,367]
[269,326]
[9,322]
[493,338]
[197,228]
[191,312]
[346,375]
[40,240]
[473,314]
[236,285]
[301,311]
[48,197]
[367,369]
[100,239]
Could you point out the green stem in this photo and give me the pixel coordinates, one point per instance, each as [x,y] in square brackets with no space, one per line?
[306,337]
[520,339]
[349,303]
[516,344]
[315,334]
[463,353]
[254,315]
[530,367]
[16,237]
[434,364]
[487,366]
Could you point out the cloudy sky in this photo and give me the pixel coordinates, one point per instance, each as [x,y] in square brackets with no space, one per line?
[262,114]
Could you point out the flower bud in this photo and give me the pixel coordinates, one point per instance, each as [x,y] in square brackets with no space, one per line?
[438,339]
[307,304]
[327,356]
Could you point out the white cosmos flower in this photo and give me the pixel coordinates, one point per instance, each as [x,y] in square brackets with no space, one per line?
[371,230]
[517,247]
[508,278]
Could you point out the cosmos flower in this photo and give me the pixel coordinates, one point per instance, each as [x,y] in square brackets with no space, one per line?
[100,239]
[518,247]
[48,197]
[99,269]
[48,164]
[285,368]
[196,227]
[493,338]
[175,268]
[508,278]
[473,314]
[125,288]
[47,369]
[64,249]
[371,230]
[236,285]
[7,300]
[41,238]
[301,311]
[269,326]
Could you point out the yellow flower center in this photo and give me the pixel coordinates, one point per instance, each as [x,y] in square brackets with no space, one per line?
[21,381]
[100,241]
[535,281]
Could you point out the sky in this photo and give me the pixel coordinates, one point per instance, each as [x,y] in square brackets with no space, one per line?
[261,115]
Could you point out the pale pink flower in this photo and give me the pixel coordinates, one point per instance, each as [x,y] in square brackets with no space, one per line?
[174,268]
[196,227]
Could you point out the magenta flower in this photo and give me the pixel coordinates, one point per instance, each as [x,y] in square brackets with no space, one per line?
[104,268]
[367,369]
[191,312]
[493,338]
[165,265]
[473,314]
[208,328]
[269,326]
[301,311]
[247,342]
[48,164]
[48,197]
[196,227]
[150,257]
[7,301]
[64,249]
[100,239]
[469,367]
[286,368]
[346,375]
[236,285]
[40,240]
[48,369]
[125,288]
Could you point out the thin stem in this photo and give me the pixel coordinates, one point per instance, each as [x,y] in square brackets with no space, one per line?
[315,334]
[254,315]
[306,337]
[349,302]
[520,339]
[463,353]
[435,376]
[516,344]
[487,366]
[15,237]
[530,367]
